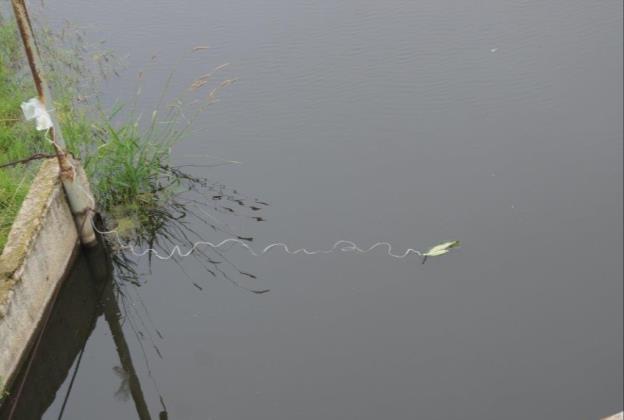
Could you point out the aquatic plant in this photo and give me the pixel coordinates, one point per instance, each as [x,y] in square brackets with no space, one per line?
[137,191]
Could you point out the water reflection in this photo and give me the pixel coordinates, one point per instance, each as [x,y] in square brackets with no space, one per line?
[160,230]
[89,292]
[101,283]
[129,379]
[71,322]
[393,120]
[57,356]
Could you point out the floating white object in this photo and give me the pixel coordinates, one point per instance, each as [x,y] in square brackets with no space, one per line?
[33,109]
[441,249]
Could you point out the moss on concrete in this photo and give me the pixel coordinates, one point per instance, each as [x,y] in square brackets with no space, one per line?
[27,225]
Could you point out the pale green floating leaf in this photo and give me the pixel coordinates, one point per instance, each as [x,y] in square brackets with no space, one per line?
[441,249]
[435,253]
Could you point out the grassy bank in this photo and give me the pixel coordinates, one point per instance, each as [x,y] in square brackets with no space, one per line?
[126,157]
[126,164]
[17,139]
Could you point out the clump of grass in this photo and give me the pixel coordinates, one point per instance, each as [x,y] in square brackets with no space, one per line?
[68,73]
[127,158]
[126,162]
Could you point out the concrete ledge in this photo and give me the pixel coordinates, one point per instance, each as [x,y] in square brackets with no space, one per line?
[39,251]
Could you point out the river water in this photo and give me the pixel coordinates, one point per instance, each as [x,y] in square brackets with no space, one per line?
[496,123]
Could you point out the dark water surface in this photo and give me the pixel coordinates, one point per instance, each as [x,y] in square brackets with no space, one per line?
[497,123]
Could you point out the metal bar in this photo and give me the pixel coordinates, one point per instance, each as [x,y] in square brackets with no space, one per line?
[36,68]
[72,176]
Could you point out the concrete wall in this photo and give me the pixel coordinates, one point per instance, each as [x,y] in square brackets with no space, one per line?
[73,318]
[39,251]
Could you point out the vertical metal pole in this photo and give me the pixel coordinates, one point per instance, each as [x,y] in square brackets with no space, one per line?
[34,61]
[74,180]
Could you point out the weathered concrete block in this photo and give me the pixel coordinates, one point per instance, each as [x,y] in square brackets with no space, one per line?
[39,251]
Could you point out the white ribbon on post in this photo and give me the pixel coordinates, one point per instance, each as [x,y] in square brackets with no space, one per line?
[33,109]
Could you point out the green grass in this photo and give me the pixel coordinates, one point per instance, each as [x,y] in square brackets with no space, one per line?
[126,159]
[125,167]
[17,139]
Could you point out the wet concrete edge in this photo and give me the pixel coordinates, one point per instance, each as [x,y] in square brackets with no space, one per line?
[40,250]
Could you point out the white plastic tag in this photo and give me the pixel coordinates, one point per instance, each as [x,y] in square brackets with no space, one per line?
[34,109]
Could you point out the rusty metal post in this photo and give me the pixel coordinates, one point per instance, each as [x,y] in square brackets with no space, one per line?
[34,61]
[72,176]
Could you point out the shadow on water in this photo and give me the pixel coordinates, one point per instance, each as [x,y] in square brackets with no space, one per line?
[89,292]
[98,285]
